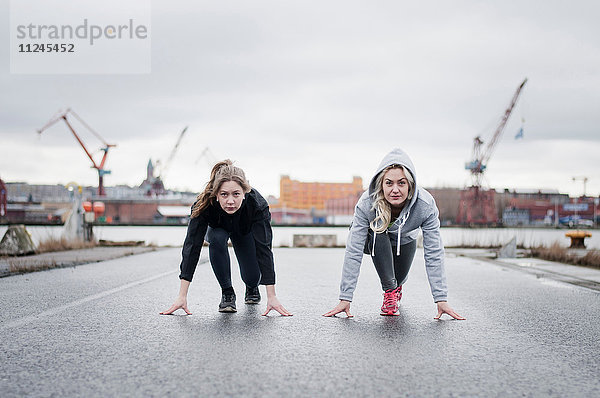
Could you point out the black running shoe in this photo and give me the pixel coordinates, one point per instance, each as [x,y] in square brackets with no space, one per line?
[227,302]
[252,295]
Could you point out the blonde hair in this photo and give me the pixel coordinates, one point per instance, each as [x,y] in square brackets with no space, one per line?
[383,209]
[221,172]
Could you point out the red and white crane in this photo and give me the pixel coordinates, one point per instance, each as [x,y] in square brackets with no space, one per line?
[477,205]
[481,155]
[62,115]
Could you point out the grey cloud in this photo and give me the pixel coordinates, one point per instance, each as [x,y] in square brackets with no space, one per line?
[340,74]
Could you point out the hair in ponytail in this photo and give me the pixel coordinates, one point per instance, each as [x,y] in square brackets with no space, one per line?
[221,172]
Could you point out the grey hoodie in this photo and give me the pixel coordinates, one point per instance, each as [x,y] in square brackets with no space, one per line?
[421,212]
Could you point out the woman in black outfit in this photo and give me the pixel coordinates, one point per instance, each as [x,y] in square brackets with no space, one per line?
[229,208]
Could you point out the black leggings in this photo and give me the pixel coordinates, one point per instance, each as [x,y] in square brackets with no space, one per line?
[392,268]
[245,252]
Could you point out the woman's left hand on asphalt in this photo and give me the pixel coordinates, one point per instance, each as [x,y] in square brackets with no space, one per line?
[444,308]
[274,304]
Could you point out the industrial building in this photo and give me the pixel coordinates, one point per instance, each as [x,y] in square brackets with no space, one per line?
[313,195]
[308,203]
[314,202]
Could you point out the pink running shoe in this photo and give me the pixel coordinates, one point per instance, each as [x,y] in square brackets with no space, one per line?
[399,292]
[390,303]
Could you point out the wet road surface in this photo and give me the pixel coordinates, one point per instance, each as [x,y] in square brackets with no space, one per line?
[94,330]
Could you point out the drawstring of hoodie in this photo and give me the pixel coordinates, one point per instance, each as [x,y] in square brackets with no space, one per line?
[374,239]
[402,222]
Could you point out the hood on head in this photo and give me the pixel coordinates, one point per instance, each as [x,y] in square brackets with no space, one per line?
[396,156]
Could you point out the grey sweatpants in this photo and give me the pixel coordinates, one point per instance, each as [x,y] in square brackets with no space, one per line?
[392,269]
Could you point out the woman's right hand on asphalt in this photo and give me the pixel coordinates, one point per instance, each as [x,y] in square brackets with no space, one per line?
[343,306]
[181,302]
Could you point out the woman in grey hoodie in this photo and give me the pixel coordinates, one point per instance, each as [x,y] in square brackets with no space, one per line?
[385,226]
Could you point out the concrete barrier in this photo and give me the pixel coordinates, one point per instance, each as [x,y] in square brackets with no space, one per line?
[315,240]
[509,250]
[16,242]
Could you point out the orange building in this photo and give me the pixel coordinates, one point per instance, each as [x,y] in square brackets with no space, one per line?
[313,195]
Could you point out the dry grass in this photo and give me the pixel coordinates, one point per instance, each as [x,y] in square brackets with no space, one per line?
[59,244]
[21,265]
[556,252]
[592,259]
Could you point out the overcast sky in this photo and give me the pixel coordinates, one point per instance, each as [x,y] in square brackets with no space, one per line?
[321,90]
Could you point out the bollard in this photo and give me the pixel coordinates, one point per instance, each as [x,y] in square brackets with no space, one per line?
[577,238]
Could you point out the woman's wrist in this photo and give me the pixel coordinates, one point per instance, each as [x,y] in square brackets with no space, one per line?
[270,291]
[183,288]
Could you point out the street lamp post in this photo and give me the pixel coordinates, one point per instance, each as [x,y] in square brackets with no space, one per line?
[596,201]
[555,212]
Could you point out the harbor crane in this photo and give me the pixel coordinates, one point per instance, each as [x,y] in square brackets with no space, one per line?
[477,206]
[207,154]
[62,115]
[164,168]
[154,185]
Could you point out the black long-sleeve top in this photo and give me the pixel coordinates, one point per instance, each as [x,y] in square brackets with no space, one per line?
[253,216]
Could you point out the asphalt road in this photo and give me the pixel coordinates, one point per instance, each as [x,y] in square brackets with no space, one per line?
[94,330]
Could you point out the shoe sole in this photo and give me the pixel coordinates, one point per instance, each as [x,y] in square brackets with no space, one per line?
[227,309]
[252,302]
[390,314]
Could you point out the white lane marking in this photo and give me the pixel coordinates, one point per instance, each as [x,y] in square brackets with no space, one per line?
[53,311]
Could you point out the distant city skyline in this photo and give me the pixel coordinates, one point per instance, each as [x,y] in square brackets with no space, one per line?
[124,188]
[321,91]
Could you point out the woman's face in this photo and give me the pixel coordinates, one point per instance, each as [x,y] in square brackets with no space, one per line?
[230,196]
[395,187]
